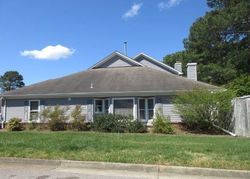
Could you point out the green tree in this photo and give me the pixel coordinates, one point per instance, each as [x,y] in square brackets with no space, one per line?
[219,42]
[11,80]
[241,85]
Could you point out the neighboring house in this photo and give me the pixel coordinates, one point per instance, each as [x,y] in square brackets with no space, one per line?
[117,84]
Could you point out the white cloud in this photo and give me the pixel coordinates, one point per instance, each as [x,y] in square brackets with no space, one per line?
[49,53]
[168,4]
[133,11]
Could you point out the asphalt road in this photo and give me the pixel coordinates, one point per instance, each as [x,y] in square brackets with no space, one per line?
[25,171]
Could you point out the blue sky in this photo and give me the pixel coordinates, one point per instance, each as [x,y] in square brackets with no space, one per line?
[44,39]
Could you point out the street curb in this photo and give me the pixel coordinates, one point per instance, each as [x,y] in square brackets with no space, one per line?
[110,166]
[156,169]
[204,171]
[30,161]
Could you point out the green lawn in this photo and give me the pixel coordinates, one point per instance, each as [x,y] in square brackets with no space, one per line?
[190,150]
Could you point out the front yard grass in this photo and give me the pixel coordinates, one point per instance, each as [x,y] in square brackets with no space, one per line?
[181,150]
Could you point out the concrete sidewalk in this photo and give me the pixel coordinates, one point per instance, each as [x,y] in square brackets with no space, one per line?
[36,168]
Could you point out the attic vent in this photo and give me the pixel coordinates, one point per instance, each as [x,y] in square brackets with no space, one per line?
[91,85]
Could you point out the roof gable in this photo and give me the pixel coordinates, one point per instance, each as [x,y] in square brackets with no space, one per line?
[155,64]
[116,59]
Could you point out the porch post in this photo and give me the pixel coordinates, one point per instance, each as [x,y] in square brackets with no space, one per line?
[111,106]
[135,108]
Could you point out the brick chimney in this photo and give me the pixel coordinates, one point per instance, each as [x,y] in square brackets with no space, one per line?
[192,71]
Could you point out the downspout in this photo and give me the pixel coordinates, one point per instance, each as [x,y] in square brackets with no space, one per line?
[2,112]
[224,130]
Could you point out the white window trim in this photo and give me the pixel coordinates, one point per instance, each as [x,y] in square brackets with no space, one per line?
[39,110]
[103,104]
[134,105]
[146,108]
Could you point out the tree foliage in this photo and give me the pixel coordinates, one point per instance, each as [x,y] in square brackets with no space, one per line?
[11,80]
[201,109]
[219,42]
[241,85]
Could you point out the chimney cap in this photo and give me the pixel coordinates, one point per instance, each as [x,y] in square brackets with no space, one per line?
[191,64]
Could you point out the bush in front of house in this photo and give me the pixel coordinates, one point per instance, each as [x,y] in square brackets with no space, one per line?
[56,118]
[202,109]
[111,123]
[31,125]
[78,122]
[137,126]
[161,124]
[14,124]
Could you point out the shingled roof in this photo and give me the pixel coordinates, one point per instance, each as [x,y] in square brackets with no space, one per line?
[110,81]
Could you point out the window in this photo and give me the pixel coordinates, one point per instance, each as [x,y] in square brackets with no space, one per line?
[34,109]
[101,106]
[146,109]
[124,107]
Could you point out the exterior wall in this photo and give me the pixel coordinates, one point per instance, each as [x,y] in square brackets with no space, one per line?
[20,108]
[16,108]
[165,103]
[116,61]
[151,65]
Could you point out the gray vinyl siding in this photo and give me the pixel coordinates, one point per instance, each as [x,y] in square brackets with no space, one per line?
[150,64]
[168,109]
[15,108]
[68,104]
[116,61]
[19,108]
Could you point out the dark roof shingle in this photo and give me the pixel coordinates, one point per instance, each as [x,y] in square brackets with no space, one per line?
[108,80]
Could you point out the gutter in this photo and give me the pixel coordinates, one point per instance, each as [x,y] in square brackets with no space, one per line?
[96,94]
[93,94]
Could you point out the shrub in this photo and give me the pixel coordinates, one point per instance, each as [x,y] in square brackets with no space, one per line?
[14,124]
[111,123]
[56,118]
[201,109]
[78,122]
[31,125]
[137,127]
[161,124]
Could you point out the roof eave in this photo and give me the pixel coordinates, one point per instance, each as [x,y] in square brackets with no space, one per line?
[98,94]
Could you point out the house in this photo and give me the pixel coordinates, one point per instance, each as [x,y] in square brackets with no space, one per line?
[117,84]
